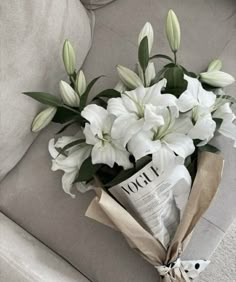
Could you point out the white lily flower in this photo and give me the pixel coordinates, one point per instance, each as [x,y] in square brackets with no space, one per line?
[217,78]
[71,163]
[69,96]
[136,110]
[200,103]
[150,73]
[227,127]
[164,142]
[98,133]
[147,30]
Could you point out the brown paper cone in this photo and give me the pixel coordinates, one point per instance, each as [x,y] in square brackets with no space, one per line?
[107,211]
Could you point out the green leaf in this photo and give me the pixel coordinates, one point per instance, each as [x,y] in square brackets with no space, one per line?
[108,93]
[158,76]
[125,174]
[209,87]
[87,170]
[161,56]
[44,98]
[66,126]
[70,145]
[100,102]
[229,99]
[65,115]
[218,122]
[189,73]
[84,97]
[176,84]
[143,53]
[209,148]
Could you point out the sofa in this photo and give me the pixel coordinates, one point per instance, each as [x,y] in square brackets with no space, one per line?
[44,235]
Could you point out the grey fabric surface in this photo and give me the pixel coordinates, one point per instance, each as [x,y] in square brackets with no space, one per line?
[25,259]
[31,194]
[95,4]
[32,36]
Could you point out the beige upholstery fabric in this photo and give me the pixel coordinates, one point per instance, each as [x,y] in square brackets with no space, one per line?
[25,259]
[32,36]
[95,4]
[32,195]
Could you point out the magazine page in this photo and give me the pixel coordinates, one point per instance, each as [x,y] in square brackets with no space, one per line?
[157,201]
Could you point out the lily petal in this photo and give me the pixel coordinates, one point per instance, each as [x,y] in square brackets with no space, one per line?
[96,115]
[67,182]
[152,93]
[152,117]
[125,127]
[228,129]
[164,159]
[224,111]
[122,158]
[203,129]
[186,101]
[116,107]
[206,98]
[142,144]
[181,144]
[51,148]
[89,135]
[103,154]
[182,125]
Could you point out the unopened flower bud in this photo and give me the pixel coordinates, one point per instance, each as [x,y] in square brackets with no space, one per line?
[217,78]
[68,57]
[43,119]
[173,31]
[120,87]
[81,82]
[129,77]
[147,30]
[215,65]
[69,96]
[150,73]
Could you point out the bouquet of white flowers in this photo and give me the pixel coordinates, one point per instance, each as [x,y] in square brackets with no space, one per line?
[144,143]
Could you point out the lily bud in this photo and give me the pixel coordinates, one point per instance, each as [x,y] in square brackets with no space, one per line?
[173,31]
[69,96]
[120,87]
[80,83]
[43,119]
[150,73]
[217,78]
[68,54]
[147,30]
[129,77]
[215,65]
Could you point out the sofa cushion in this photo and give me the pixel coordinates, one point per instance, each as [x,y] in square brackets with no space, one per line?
[32,36]
[23,258]
[32,195]
[95,4]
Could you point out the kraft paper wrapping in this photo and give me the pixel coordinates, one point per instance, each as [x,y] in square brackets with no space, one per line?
[106,210]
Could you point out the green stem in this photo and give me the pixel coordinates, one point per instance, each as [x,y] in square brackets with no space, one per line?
[144,78]
[72,79]
[71,109]
[175,58]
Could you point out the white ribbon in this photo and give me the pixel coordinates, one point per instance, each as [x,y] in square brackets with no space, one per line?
[191,267]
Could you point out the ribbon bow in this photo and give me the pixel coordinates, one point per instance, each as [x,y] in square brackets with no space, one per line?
[190,269]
